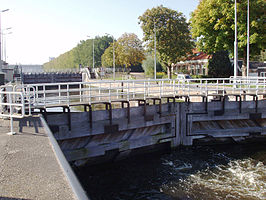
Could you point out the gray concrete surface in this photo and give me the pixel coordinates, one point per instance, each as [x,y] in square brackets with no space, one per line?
[28,166]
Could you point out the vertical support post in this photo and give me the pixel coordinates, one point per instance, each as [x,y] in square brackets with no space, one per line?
[255,98]
[128,112]
[90,115]
[11,117]
[235,45]
[248,39]
[154,51]
[240,102]
[69,118]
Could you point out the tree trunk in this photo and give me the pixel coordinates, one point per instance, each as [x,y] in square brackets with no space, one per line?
[169,71]
[244,64]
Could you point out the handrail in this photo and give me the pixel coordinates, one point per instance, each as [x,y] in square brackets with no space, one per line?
[13,103]
[109,90]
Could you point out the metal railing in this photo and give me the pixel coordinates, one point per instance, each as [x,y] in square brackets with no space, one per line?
[108,91]
[14,103]
[17,101]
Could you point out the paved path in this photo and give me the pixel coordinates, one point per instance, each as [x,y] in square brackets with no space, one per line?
[29,169]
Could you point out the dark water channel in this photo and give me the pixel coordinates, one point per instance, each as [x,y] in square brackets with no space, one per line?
[202,172]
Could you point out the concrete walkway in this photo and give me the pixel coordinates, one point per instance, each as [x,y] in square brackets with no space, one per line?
[28,166]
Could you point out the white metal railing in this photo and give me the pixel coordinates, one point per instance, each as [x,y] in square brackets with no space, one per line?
[107,91]
[14,103]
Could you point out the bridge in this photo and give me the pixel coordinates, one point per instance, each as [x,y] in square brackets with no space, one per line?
[140,114]
[18,101]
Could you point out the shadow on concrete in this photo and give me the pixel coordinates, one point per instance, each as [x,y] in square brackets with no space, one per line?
[7,198]
[29,122]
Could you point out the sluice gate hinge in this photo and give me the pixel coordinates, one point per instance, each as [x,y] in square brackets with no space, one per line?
[108,107]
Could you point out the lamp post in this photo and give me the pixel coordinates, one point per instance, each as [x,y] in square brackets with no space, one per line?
[235,45]
[248,38]
[4,49]
[155,51]
[1,39]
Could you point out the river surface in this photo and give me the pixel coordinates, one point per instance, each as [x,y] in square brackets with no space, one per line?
[195,173]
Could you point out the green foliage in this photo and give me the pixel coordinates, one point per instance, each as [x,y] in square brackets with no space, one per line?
[81,54]
[64,61]
[219,65]
[172,34]
[148,65]
[128,51]
[213,26]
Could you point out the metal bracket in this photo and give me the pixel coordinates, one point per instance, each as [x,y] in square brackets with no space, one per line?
[240,102]
[255,98]
[205,99]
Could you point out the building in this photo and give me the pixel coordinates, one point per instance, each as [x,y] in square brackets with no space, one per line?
[196,64]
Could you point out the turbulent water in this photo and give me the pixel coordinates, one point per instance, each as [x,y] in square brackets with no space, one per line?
[205,172]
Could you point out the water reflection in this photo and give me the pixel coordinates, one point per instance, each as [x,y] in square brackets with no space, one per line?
[221,172]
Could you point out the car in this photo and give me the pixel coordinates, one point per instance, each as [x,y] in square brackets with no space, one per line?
[183,77]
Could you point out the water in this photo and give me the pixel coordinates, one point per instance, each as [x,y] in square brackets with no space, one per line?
[203,172]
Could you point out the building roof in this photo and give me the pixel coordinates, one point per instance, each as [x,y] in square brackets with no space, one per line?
[198,55]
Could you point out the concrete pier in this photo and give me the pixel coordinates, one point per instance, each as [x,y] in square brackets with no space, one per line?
[29,167]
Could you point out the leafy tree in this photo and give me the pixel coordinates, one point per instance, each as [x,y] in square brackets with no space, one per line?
[213,26]
[81,54]
[84,51]
[64,61]
[128,51]
[219,65]
[172,34]
[148,65]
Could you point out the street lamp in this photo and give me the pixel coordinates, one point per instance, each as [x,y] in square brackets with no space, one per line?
[235,45]
[155,51]
[92,51]
[113,54]
[248,38]
[4,43]
[1,39]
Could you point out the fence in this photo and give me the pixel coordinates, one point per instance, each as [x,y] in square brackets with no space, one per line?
[107,91]
[13,103]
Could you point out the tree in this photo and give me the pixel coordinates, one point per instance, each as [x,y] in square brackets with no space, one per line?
[81,54]
[84,51]
[172,34]
[148,65]
[128,51]
[213,26]
[219,65]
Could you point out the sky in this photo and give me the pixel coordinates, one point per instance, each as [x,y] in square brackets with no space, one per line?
[48,28]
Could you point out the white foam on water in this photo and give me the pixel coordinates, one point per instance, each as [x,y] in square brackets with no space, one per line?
[239,179]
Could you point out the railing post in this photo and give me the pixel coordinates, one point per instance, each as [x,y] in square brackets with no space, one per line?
[11,115]
[160,86]
[68,94]
[80,93]
[128,91]
[110,92]
[134,90]
[44,95]
[89,93]
[144,97]
[59,93]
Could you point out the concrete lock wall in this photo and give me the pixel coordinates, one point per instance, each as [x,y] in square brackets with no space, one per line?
[106,135]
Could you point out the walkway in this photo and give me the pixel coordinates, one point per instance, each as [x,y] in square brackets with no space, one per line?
[28,166]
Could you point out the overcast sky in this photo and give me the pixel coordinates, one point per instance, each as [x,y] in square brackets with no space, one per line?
[48,28]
